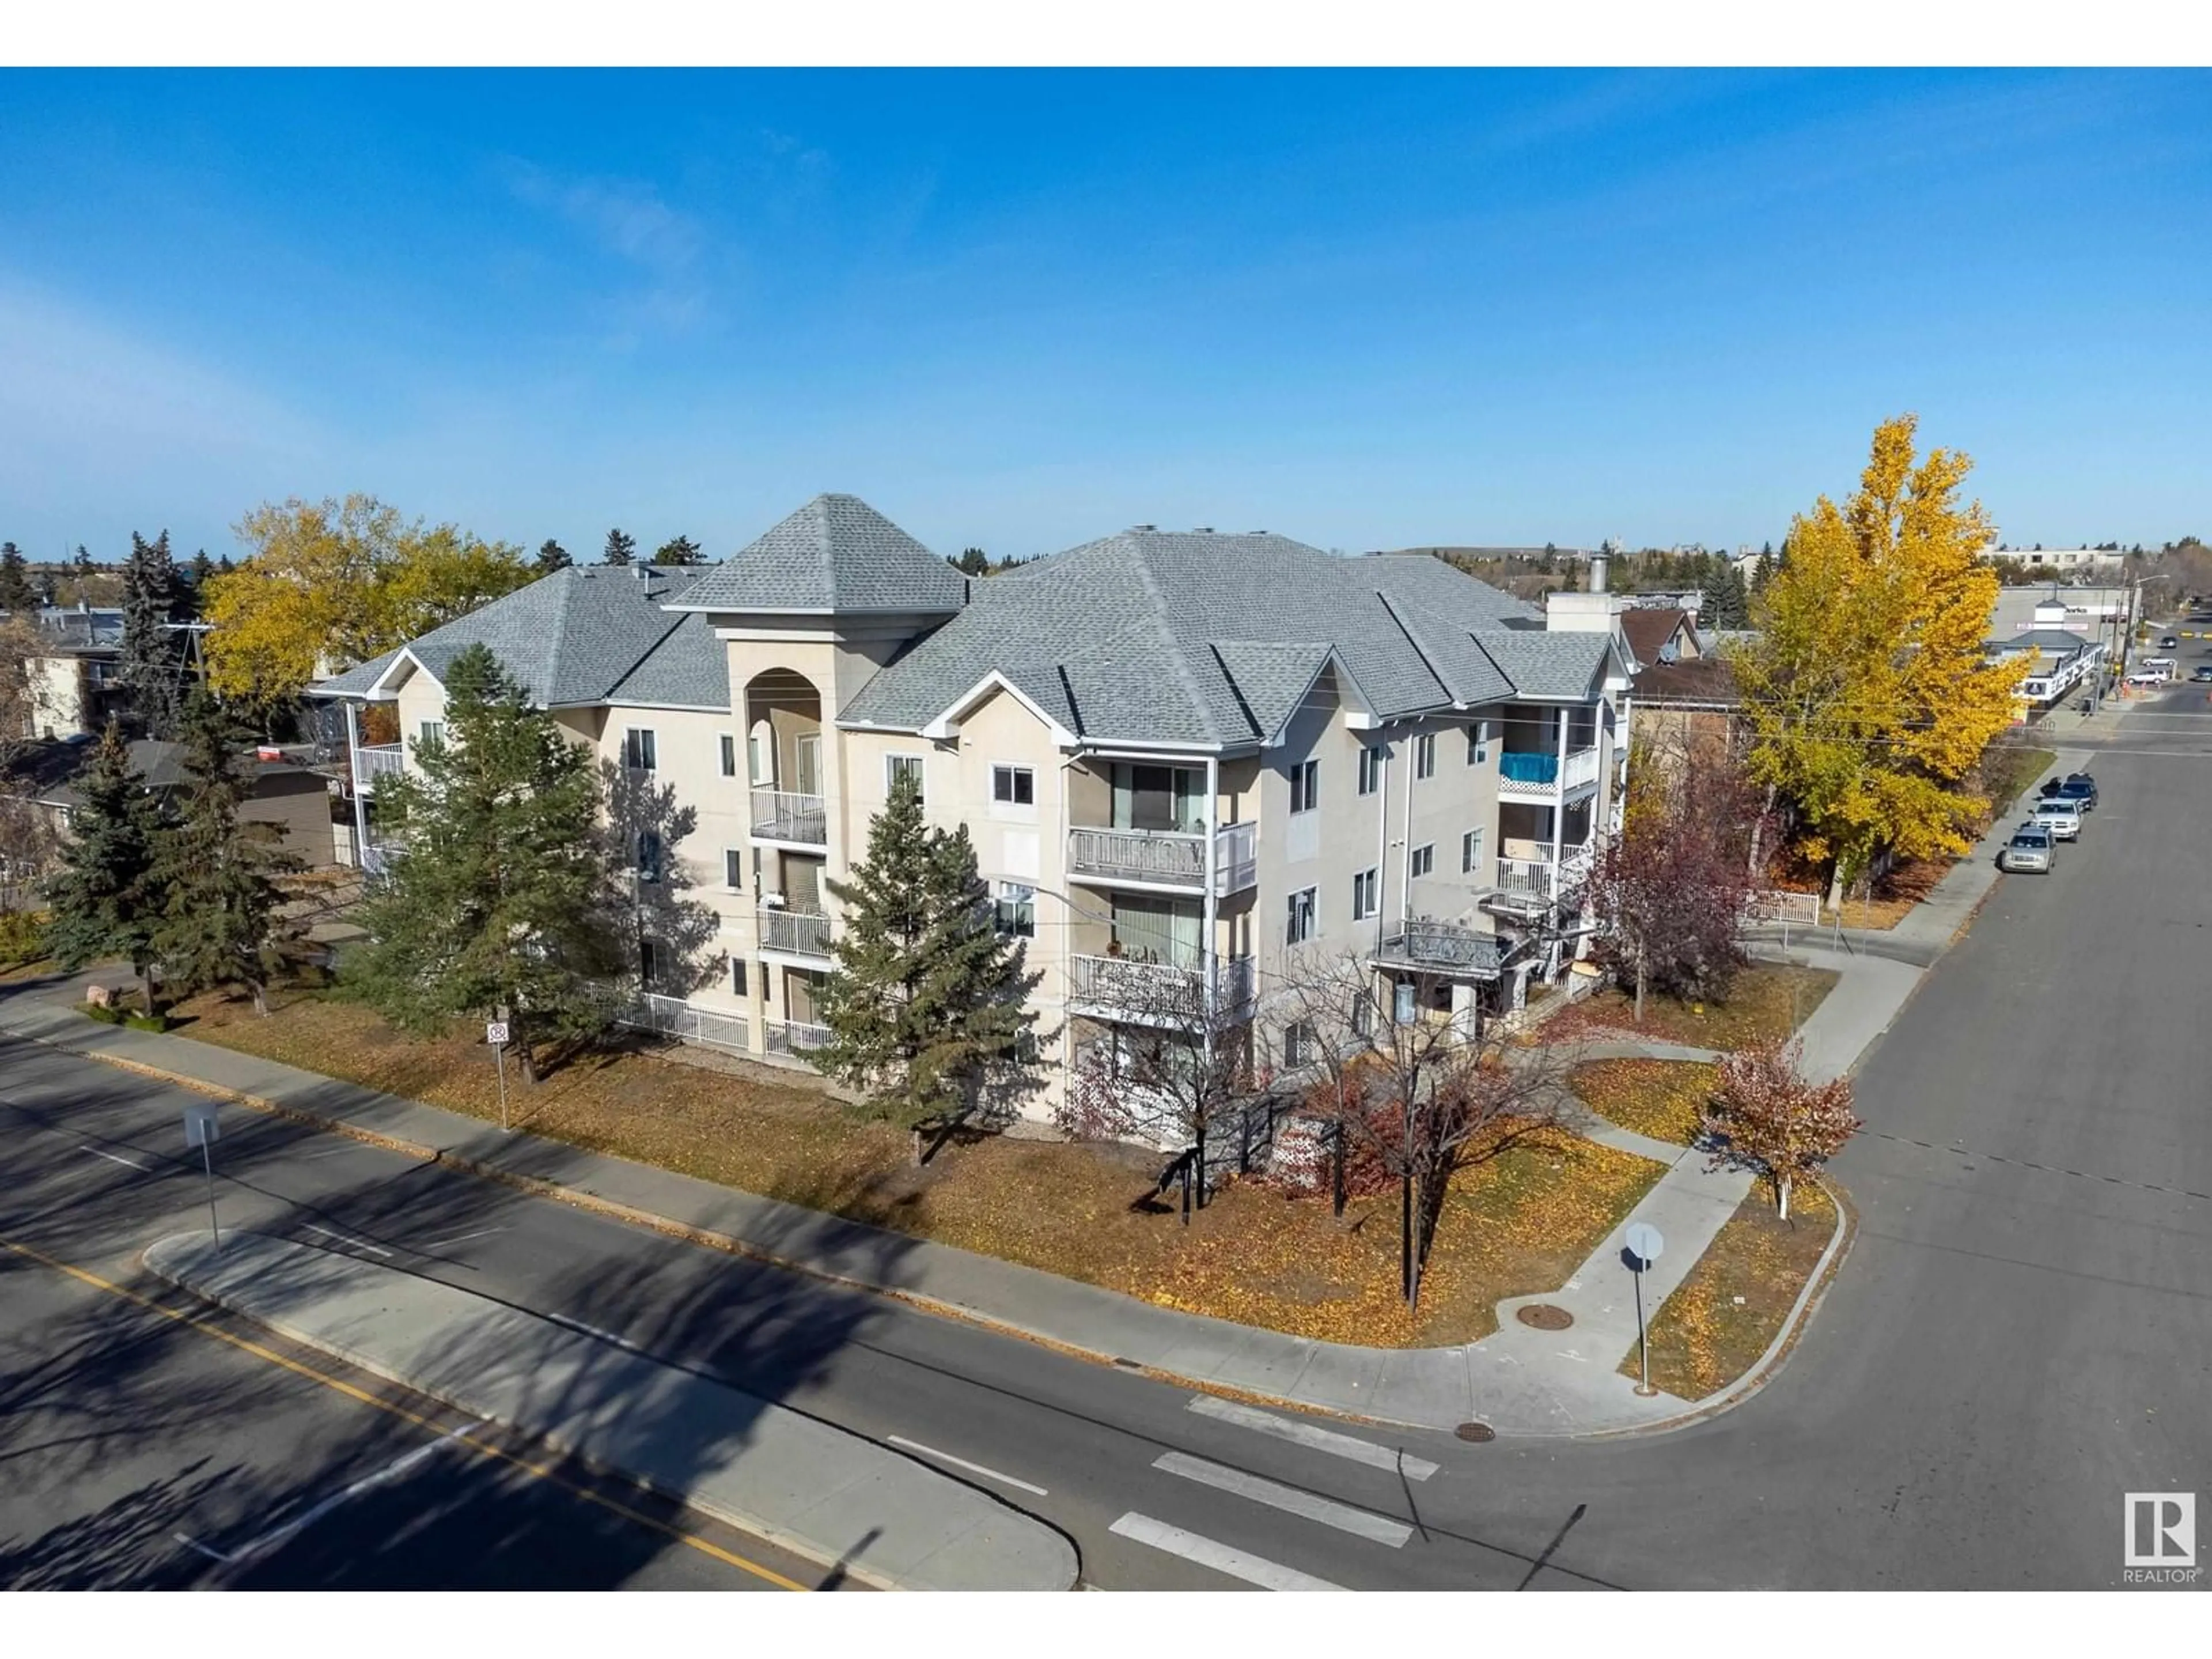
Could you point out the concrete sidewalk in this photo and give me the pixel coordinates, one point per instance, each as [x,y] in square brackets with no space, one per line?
[832,1497]
[1520,1381]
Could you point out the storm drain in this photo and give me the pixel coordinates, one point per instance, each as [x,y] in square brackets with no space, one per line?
[1480,1433]
[1544,1317]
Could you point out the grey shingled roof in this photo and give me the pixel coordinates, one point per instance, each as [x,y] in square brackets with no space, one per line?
[1198,638]
[570,637]
[836,554]
[689,669]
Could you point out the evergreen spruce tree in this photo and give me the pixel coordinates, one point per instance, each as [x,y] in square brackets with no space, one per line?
[925,1004]
[503,904]
[106,900]
[192,597]
[151,665]
[973,562]
[552,557]
[619,549]
[83,560]
[1727,602]
[17,594]
[678,549]
[217,870]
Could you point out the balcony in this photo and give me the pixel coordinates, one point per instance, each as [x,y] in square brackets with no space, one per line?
[793,933]
[1156,993]
[1545,777]
[378,760]
[1170,858]
[1442,948]
[779,815]
[1527,887]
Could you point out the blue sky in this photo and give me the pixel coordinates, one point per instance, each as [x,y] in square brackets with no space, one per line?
[1022,309]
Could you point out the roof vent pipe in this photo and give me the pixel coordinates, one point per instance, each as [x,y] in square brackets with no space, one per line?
[1597,573]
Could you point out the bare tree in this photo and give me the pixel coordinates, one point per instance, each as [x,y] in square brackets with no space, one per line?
[1405,1089]
[1175,1070]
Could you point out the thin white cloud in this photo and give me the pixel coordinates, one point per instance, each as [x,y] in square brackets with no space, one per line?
[130,432]
[629,220]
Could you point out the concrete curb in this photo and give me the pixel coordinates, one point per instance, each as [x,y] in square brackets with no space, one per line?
[833,1466]
[1769,1365]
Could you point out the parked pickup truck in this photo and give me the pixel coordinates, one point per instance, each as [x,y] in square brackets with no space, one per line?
[2060,814]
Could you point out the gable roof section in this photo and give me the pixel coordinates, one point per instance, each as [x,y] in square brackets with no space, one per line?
[1563,666]
[1211,641]
[837,553]
[1648,631]
[689,668]
[570,637]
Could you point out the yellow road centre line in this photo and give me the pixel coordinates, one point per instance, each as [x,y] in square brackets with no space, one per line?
[539,1471]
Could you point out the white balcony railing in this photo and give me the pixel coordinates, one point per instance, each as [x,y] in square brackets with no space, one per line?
[379,760]
[1524,882]
[673,1017]
[795,933]
[1157,993]
[791,1037]
[1168,858]
[1544,776]
[779,815]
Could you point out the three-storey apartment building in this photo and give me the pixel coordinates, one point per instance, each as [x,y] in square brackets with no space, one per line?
[1185,758]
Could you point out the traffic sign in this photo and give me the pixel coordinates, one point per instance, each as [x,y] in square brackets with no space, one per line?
[1645,1242]
[495,1031]
[201,1127]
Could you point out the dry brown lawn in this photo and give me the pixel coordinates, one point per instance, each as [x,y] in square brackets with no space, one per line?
[1518,1223]
[1767,1000]
[1702,1338]
[1662,1098]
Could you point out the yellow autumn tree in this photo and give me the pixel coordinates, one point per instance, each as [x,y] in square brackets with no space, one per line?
[329,584]
[1867,694]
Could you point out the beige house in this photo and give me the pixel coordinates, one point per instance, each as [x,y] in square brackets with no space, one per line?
[1184,758]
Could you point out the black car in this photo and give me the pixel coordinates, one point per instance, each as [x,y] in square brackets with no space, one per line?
[2201,673]
[2079,787]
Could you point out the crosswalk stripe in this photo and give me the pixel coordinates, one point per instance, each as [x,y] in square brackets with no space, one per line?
[1313,1438]
[1251,1569]
[1343,1516]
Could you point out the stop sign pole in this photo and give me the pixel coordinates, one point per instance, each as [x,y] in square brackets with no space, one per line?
[1645,1244]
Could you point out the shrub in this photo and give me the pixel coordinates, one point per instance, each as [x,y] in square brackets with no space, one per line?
[22,936]
[105,1016]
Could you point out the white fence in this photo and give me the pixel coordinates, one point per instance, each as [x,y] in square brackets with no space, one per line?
[791,1037]
[1790,909]
[673,1017]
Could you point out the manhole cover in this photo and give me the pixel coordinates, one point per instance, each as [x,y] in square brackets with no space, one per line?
[1478,1433]
[1544,1317]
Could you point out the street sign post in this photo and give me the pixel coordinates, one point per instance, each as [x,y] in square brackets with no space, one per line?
[1645,1244]
[203,1129]
[495,1035]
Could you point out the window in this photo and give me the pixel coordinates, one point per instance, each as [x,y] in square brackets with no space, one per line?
[1366,888]
[1470,851]
[759,752]
[738,976]
[648,962]
[902,766]
[1025,1051]
[638,749]
[648,855]
[1017,910]
[1301,926]
[1305,786]
[1424,754]
[733,867]
[1425,860]
[729,755]
[1297,1043]
[433,732]
[1370,769]
[1363,1017]
[1401,1009]
[1477,743]
[1013,786]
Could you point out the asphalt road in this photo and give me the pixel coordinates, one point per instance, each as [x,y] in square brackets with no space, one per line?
[2023,1335]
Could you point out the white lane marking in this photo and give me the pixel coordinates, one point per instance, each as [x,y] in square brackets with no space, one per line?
[391,1471]
[116,1157]
[1251,1569]
[441,1243]
[345,1238]
[1329,1513]
[1316,1439]
[962,1463]
[582,1329]
[212,1554]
